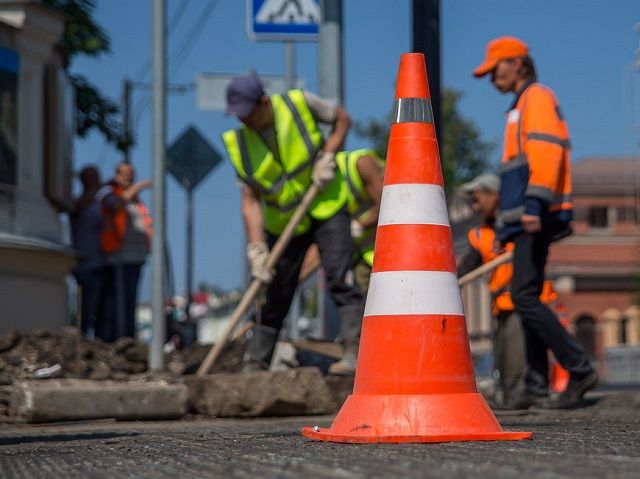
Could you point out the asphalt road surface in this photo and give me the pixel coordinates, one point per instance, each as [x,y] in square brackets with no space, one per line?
[599,440]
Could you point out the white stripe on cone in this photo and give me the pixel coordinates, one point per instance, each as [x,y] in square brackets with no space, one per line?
[413,292]
[413,203]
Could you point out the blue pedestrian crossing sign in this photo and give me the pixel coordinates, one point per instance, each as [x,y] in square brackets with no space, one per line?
[296,20]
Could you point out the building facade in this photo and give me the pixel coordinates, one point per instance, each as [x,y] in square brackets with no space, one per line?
[596,270]
[36,133]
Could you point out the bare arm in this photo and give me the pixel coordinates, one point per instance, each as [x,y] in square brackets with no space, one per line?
[372,179]
[252,215]
[340,129]
[133,190]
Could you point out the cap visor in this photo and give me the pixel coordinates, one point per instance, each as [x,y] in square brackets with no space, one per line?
[469,187]
[240,110]
[484,68]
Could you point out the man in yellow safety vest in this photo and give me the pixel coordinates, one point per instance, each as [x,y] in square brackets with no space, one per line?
[278,153]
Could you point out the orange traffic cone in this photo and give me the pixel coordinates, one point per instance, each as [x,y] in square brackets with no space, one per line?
[414,379]
[559,376]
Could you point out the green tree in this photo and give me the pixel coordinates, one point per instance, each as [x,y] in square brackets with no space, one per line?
[83,36]
[464,154]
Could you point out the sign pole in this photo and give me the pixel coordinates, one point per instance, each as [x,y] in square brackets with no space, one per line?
[330,51]
[159,44]
[290,51]
[189,251]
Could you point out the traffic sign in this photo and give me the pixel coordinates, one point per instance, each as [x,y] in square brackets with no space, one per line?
[190,158]
[211,88]
[296,20]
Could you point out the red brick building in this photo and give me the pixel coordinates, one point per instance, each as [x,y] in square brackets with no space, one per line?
[597,270]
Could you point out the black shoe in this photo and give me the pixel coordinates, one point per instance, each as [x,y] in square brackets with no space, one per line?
[577,387]
[522,402]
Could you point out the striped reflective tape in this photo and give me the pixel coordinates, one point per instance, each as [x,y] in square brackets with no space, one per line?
[413,203]
[412,110]
[515,162]
[413,292]
[541,192]
[556,140]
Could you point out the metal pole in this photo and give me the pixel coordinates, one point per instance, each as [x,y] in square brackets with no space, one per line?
[290,54]
[426,39]
[189,268]
[126,112]
[330,51]
[159,49]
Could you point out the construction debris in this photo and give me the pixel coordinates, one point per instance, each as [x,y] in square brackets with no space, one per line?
[73,399]
[294,392]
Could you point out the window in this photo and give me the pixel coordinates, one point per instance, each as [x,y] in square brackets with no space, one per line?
[598,217]
[627,214]
[8,103]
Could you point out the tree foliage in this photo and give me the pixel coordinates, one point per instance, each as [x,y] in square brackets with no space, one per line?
[83,36]
[464,154]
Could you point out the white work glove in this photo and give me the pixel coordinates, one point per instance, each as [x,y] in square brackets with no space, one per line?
[324,169]
[257,253]
[357,230]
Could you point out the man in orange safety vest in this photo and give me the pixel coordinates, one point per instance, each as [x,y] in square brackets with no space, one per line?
[535,210]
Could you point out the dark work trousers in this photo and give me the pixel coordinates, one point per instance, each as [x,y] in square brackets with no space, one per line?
[509,354]
[541,326]
[90,280]
[121,293]
[333,237]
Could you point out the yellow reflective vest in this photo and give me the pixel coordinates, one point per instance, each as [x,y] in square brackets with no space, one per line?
[281,184]
[358,201]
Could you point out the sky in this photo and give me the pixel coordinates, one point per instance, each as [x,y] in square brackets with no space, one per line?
[583,49]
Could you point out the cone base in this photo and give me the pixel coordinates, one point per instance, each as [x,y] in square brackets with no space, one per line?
[414,418]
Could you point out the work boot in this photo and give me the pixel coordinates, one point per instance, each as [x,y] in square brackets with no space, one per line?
[577,387]
[523,401]
[260,349]
[350,325]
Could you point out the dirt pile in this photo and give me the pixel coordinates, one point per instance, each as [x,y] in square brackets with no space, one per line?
[66,353]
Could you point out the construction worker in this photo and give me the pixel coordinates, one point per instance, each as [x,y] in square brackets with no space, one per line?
[126,243]
[363,173]
[278,153]
[508,340]
[535,210]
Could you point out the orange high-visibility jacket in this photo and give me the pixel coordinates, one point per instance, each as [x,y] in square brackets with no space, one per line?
[535,171]
[482,239]
[115,223]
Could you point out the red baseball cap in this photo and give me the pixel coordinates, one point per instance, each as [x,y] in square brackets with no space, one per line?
[501,49]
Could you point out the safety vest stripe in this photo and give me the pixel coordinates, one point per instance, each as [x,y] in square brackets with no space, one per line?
[412,110]
[549,139]
[559,199]
[413,203]
[413,292]
[283,208]
[540,192]
[513,163]
[299,169]
[248,168]
[300,124]
[511,215]
[352,187]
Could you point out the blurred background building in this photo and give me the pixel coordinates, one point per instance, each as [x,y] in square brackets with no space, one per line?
[36,133]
